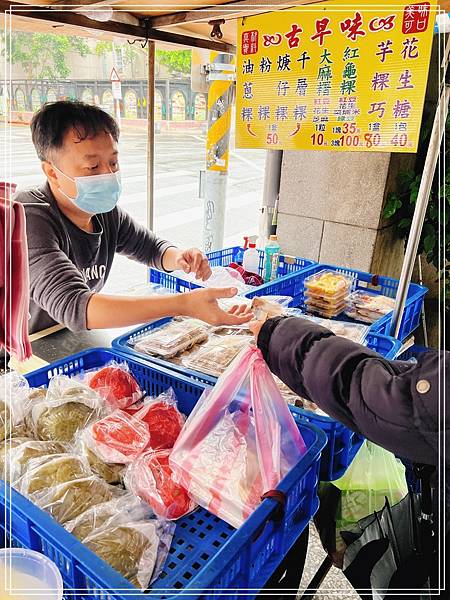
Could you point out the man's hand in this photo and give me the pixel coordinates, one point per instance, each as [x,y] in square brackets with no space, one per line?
[203,305]
[193,261]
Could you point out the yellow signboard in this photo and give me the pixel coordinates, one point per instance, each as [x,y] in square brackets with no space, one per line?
[334,78]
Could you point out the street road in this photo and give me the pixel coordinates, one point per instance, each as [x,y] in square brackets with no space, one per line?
[178,210]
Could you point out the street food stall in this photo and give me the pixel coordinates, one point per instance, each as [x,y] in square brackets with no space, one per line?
[90,487]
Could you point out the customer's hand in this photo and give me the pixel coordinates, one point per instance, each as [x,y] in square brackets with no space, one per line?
[203,305]
[193,261]
[255,327]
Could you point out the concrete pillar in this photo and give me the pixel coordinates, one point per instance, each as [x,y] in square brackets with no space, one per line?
[330,208]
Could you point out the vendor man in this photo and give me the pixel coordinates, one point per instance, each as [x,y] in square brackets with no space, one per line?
[75,227]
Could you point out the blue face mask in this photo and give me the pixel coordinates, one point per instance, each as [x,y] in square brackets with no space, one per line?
[95,193]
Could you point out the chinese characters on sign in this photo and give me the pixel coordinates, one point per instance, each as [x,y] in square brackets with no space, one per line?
[334,78]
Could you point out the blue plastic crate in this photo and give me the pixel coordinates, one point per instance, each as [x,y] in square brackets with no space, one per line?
[206,554]
[342,443]
[412,352]
[294,285]
[222,258]
[383,344]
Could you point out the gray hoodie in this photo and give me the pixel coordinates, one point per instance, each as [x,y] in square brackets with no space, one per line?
[68,265]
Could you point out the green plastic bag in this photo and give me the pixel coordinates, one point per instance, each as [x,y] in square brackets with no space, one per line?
[373,475]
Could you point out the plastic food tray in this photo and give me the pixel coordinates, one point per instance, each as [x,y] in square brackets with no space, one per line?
[206,554]
[222,258]
[342,443]
[376,284]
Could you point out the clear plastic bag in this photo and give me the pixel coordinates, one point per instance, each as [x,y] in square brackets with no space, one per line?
[150,478]
[118,438]
[221,277]
[115,384]
[173,338]
[50,471]
[99,526]
[129,548]
[110,472]
[68,500]
[6,447]
[14,390]
[67,408]
[126,507]
[217,354]
[163,419]
[21,456]
[239,441]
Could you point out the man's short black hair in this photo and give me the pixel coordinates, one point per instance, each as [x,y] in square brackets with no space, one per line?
[51,123]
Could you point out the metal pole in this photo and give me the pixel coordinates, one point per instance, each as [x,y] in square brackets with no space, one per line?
[422,202]
[150,134]
[272,178]
[220,98]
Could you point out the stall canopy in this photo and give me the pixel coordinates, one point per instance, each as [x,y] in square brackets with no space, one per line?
[188,23]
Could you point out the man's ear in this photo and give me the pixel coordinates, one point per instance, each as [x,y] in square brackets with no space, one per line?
[49,171]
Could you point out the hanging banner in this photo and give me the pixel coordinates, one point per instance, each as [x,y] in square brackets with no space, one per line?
[334,78]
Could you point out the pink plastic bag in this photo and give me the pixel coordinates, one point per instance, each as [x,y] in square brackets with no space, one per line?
[239,441]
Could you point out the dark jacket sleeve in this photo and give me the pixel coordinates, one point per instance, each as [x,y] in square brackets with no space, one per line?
[356,386]
[139,243]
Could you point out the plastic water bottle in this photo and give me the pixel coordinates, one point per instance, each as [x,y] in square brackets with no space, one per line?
[272,258]
[251,259]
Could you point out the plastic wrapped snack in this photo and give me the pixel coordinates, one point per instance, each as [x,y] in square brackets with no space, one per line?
[111,472]
[284,301]
[163,419]
[321,309]
[221,277]
[150,478]
[68,500]
[227,304]
[214,357]
[5,419]
[264,309]
[368,307]
[67,408]
[129,548]
[14,390]
[351,331]
[118,438]
[126,507]
[49,471]
[21,456]
[116,385]
[173,338]
[6,447]
[328,284]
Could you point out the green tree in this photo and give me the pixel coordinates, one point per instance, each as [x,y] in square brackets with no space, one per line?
[42,55]
[177,61]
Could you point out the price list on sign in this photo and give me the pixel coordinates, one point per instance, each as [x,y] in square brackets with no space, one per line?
[335,78]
